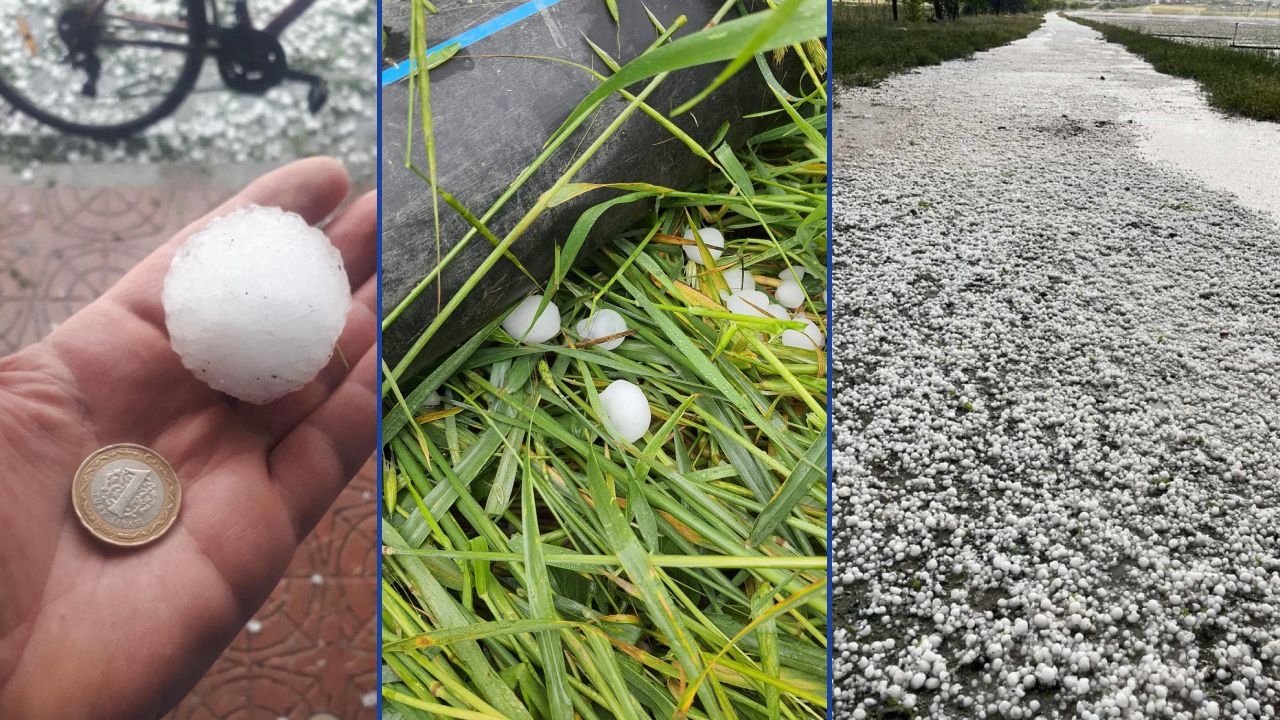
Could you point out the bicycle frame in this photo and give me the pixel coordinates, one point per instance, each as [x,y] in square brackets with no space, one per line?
[275,28]
[287,16]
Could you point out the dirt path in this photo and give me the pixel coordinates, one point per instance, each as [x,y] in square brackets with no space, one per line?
[1057,347]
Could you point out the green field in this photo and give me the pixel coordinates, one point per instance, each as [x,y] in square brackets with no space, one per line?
[868,47]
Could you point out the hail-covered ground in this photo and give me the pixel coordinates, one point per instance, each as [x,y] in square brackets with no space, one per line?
[335,39]
[1057,407]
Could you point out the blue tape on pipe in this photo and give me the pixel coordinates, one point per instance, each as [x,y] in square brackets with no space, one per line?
[485,29]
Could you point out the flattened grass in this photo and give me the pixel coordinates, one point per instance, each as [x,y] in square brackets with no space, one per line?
[538,567]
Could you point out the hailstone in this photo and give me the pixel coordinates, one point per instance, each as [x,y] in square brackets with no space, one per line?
[603,324]
[810,338]
[254,303]
[711,237]
[524,327]
[789,294]
[738,278]
[748,302]
[626,410]
[795,274]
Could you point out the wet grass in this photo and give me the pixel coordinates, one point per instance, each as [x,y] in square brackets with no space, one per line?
[867,50]
[537,566]
[1237,82]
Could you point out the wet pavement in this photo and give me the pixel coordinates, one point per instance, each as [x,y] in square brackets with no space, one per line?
[1056,462]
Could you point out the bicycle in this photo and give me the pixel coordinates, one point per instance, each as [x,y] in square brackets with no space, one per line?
[108,69]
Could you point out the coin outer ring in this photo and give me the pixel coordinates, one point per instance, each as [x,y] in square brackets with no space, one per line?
[82,499]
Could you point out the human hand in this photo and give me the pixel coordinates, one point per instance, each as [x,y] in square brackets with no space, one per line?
[92,631]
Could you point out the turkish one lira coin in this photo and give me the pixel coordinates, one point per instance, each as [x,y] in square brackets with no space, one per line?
[126,494]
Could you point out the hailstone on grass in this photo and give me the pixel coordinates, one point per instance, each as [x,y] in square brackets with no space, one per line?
[789,294]
[748,302]
[524,326]
[738,278]
[810,338]
[626,410]
[711,237]
[603,323]
[255,302]
[793,274]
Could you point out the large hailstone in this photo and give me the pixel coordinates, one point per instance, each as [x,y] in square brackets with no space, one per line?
[810,338]
[794,274]
[789,294]
[738,278]
[255,302]
[711,237]
[748,302]
[604,323]
[626,410]
[524,326]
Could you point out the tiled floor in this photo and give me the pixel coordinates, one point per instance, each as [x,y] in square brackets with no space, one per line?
[312,647]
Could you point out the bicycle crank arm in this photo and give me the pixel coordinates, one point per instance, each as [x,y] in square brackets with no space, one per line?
[317,94]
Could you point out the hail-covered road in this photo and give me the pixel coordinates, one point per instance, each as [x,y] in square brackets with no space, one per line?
[1057,348]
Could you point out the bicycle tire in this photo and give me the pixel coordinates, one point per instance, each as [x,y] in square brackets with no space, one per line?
[197,35]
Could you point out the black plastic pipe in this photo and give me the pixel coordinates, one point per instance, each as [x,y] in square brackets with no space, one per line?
[492,114]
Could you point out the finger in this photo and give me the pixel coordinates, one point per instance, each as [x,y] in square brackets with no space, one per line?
[312,188]
[315,461]
[278,418]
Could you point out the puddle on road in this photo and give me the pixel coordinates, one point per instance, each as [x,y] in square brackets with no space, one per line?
[1233,154]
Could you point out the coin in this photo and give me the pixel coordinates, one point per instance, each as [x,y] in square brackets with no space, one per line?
[126,494]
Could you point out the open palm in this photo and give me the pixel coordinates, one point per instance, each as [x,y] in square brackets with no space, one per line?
[92,631]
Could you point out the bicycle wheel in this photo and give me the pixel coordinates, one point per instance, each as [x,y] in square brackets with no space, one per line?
[101,68]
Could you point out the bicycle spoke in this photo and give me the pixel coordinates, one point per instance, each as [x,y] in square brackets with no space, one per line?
[155,44]
[134,20]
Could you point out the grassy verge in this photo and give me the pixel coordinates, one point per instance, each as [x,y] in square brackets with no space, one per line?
[540,566]
[864,53]
[1237,82]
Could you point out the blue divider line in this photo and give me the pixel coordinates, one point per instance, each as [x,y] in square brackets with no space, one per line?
[401,70]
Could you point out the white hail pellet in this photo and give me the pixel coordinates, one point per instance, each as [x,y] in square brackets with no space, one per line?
[711,237]
[811,338]
[748,302]
[738,278]
[794,274]
[626,410]
[789,294]
[603,323]
[255,302]
[524,327]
